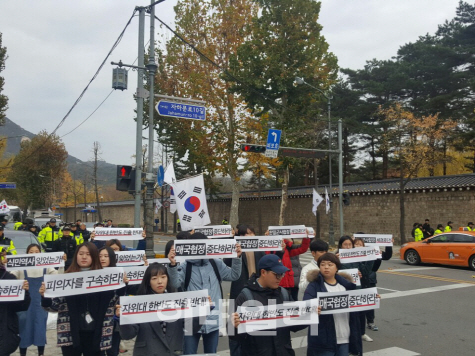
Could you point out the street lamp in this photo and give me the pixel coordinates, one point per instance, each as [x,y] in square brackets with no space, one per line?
[301,81]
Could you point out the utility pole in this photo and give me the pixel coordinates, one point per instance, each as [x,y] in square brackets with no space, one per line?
[152,68]
[340,174]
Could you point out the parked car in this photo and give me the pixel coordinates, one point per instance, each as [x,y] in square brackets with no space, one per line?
[456,248]
[21,239]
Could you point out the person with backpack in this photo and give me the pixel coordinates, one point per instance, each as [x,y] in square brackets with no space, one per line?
[199,274]
[261,289]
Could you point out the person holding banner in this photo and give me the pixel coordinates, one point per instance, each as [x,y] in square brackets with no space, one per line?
[339,333]
[33,321]
[84,321]
[170,334]
[204,274]
[9,328]
[260,290]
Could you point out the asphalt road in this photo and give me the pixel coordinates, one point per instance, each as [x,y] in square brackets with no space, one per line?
[425,310]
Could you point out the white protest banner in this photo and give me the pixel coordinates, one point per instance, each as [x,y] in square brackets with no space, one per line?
[270,317]
[259,243]
[311,232]
[99,280]
[293,231]
[353,272]
[135,274]
[349,301]
[105,234]
[11,290]
[190,196]
[358,254]
[129,258]
[204,249]
[163,307]
[376,240]
[35,260]
[215,231]
[163,261]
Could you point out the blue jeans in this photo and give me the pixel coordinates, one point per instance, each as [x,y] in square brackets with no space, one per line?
[210,343]
[341,350]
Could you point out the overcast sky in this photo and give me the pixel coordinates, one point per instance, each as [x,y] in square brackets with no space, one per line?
[55,47]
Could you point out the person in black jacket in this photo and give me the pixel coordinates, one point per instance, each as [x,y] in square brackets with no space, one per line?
[338,334]
[66,244]
[9,326]
[262,289]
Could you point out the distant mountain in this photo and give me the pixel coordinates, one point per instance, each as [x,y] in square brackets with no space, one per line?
[106,172]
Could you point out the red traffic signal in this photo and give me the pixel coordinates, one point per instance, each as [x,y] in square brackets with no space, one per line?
[253,148]
[123,178]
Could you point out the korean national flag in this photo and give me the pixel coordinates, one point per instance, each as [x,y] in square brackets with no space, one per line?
[191,202]
[4,209]
[317,199]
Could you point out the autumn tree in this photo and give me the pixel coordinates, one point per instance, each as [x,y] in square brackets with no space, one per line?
[216,28]
[37,170]
[3,98]
[285,42]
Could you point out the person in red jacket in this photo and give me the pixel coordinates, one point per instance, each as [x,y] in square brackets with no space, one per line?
[288,281]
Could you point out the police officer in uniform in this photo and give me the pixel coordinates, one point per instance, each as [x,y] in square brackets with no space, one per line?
[49,235]
[67,244]
[6,244]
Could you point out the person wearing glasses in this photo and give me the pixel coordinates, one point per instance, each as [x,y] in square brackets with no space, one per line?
[259,290]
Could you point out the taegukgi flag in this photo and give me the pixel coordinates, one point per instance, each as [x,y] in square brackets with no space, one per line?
[317,199]
[4,209]
[327,201]
[172,201]
[191,204]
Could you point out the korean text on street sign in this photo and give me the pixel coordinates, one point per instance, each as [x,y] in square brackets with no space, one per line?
[273,143]
[179,110]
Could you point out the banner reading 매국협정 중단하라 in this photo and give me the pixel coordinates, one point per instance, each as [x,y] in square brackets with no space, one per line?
[205,249]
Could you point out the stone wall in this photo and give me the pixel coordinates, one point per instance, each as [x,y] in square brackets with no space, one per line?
[367,212]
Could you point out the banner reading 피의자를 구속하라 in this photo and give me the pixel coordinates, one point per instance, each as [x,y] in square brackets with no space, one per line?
[259,243]
[135,274]
[62,285]
[163,307]
[349,301]
[270,317]
[107,233]
[35,260]
[205,249]
[11,290]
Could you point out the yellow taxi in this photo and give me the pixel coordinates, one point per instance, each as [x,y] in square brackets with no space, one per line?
[456,248]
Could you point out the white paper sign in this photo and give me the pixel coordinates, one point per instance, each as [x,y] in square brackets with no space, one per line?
[292,231]
[311,232]
[349,301]
[135,274]
[215,231]
[204,249]
[353,272]
[129,258]
[163,307]
[61,285]
[376,240]
[358,254]
[105,234]
[11,290]
[270,317]
[35,260]
[163,261]
[260,243]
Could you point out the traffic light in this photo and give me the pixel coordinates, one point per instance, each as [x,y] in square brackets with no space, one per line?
[346,198]
[124,175]
[246,147]
[132,182]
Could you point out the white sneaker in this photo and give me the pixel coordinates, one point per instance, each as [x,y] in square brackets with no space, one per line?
[366,338]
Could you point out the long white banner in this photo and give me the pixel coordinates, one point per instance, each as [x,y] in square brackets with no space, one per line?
[11,290]
[163,307]
[61,285]
[359,254]
[215,231]
[107,233]
[348,301]
[353,272]
[129,258]
[376,240]
[35,260]
[135,274]
[291,231]
[204,249]
[270,317]
[260,243]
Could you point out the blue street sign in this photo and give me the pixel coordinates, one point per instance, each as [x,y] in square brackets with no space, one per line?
[179,110]
[7,185]
[273,139]
[160,175]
